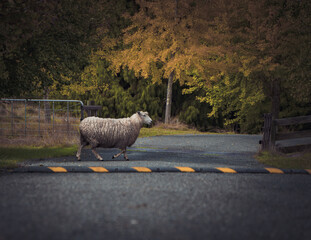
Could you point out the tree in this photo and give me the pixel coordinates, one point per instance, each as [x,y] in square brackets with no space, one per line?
[269,42]
[44,41]
[276,47]
[120,95]
[170,40]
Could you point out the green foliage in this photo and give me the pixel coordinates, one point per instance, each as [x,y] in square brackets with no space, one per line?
[119,95]
[225,56]
[44,41]
[263,42]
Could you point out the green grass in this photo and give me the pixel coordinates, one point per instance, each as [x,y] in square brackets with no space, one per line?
[10,157]
[161,131]
[286,161]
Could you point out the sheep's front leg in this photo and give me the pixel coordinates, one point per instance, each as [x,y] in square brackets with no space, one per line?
[125,155]
[96,154]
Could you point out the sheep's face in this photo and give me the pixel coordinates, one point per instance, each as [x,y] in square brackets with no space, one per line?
[145,117]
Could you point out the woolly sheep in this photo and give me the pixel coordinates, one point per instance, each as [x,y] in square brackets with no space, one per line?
[111,133]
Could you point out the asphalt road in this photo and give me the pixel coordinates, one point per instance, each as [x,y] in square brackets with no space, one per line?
[158,205]
[154,206]
[196,150]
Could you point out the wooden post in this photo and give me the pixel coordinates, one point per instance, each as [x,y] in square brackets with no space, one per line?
[273,133]
[92,109]
[266,139]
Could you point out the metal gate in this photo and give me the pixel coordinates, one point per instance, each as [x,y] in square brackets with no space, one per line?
[36,117]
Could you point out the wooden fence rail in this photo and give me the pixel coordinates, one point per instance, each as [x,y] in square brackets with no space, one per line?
[271,133]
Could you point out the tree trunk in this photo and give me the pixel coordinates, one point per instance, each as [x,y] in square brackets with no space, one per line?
[169,96]
[169,93]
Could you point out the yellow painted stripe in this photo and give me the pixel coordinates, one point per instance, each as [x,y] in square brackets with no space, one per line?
[142,169]
[99,169]
[185,169]
[58,169]
[308,170]
[226,170]
[274,170]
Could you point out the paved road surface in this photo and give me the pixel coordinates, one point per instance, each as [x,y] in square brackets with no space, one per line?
[158,205]
[196,150]
[154,206]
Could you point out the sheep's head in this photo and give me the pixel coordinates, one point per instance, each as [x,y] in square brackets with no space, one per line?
[145,117]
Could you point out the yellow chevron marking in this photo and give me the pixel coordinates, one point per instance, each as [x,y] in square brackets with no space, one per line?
[185,169]
[308,170]
[99,169]
[226,170]
[58,169]
[274,170]
[142,169]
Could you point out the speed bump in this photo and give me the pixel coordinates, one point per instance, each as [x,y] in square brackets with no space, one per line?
[139,169]
[99,169]
[275,170]
[227,170]
[142,169]
[58,169]
[185,169]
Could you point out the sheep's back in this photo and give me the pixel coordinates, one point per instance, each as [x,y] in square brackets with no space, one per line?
[109,132]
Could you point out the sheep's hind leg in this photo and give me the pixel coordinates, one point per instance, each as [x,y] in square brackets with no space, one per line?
[96,154]
[82,145]
[78,155]
[122,151]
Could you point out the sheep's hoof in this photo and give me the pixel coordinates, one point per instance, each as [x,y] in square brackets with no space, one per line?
[100,159]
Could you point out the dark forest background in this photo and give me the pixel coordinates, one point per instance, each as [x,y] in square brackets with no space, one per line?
[229,62]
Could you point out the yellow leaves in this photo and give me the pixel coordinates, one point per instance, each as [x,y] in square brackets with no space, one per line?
[75,88]
[156,35]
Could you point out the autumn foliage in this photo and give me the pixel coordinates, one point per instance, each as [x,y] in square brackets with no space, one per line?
[228,62]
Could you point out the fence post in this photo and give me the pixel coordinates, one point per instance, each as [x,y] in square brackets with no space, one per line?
[39,119]
[266,139]
[12,119]
[82,112]
[68,118]
[53,118]
[25,130]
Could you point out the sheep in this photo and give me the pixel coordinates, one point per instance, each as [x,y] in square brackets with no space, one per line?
[111,133]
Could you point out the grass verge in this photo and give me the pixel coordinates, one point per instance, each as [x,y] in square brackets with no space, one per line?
[286,161]
[10,156]
[156,131]
[165,129]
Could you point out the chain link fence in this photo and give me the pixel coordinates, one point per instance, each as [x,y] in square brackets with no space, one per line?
[23,118]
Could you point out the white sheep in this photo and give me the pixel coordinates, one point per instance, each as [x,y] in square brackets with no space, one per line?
[111,133]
